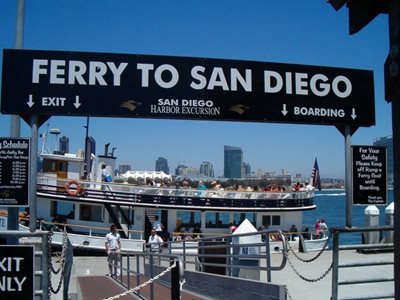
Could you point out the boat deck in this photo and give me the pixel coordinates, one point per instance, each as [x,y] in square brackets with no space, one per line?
[143,196]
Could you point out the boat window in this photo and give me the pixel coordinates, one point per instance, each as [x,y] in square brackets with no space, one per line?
[54,166]
[271,220]
[217,220]
[62,208]
[238,218]
[187,217]
[90,213]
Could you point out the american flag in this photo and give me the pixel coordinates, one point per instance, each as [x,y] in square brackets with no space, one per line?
[315,178]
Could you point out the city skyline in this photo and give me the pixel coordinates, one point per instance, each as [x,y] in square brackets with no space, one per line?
[292,32]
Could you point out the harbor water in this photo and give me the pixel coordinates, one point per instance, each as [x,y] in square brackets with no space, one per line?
[331,205]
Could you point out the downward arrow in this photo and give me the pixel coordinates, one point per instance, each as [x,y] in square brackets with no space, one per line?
[77,103]
[30,102]
[284,111]
[353,113]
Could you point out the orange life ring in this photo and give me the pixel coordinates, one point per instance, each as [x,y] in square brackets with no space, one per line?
[74,192]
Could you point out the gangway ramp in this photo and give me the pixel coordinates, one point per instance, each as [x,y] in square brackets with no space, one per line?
[103,287]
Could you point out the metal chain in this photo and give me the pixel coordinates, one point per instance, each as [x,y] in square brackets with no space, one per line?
[51,268]
[287,293]
[131,291]
[181,283]
[309,279]
[325,247]
[62,264]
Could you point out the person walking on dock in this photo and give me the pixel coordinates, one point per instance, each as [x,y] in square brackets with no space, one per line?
[113,249]
[155,242]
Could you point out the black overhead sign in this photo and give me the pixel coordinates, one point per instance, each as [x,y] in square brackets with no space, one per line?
[17,272]
[14,171]
[369,175]
[166,87]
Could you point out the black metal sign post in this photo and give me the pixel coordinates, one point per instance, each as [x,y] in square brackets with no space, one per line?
[369,175]
[166,87]
[14,171]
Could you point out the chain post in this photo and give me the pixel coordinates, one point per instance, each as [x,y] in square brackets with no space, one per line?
[175,281]
[335,263]
[46,277]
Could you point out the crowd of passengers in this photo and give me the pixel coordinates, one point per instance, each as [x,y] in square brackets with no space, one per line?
[236,188]
[187,232]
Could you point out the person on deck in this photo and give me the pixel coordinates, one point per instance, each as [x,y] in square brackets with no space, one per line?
[323,228]
[105,176]
[201,186]
[317,227]
[158,226]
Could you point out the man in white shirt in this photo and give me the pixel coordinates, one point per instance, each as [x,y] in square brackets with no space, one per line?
[113,249]
[155,242]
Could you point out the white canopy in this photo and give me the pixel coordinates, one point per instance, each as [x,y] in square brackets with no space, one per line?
[147,174]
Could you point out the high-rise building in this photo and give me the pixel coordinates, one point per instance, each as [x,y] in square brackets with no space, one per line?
[233,162]
[180,169]
[246,170]
[387,141]
[162,165]
[259,173]
[190,171]
[123,168]
[207,169]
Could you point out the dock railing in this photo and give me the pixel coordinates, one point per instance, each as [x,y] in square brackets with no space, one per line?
[137,270]
[336,282]
[233,256]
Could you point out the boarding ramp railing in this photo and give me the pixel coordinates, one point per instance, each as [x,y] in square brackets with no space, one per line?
[179,262]
[42,259]
[143,273]
[233,254]
[378,277]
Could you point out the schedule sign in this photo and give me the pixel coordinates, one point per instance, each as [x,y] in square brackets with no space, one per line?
[168,87]
[14,171]
[17,272]
[369,175]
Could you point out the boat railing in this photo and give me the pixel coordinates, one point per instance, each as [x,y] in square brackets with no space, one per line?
[174,196]
[76,228]
[53,182]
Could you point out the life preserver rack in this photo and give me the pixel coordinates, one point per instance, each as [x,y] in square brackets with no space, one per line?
[73,192]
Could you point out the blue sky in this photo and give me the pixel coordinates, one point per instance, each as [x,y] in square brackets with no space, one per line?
[299,32]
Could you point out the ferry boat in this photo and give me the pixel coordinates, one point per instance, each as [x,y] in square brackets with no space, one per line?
[86,208]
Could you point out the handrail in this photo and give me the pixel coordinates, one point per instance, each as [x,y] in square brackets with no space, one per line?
[86,227]
[199,248]
[173,264]
[376,247]
[188,192]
